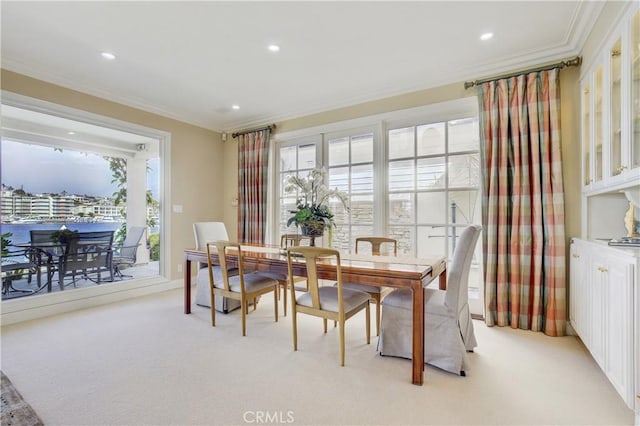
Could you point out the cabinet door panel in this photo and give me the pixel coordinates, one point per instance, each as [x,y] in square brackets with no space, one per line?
[619,331]
[579,287]
[635,90]
[598,302]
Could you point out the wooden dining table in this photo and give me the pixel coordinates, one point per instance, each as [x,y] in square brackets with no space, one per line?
[382,271]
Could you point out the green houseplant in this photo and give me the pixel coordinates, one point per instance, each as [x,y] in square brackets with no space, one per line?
[6,242]
[312,214]
[63,235]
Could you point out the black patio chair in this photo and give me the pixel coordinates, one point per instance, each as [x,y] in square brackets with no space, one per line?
[126,253]
[87,255]
[16,262]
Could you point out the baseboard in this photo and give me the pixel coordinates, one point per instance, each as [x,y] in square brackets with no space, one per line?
[35,307]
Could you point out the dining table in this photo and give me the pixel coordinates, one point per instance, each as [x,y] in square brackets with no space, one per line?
[48,255]
[382,271]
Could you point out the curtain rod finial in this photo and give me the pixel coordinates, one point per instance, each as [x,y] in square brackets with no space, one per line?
[469,84]
[577,61]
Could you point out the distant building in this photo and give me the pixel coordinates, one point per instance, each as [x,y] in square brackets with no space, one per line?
[15,205]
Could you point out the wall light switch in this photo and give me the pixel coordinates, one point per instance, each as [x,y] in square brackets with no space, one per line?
[177,208]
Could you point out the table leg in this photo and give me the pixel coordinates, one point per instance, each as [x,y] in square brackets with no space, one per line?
[187,286]
[443,280]
[417,377]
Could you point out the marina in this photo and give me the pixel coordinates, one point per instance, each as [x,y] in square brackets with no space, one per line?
[20,231]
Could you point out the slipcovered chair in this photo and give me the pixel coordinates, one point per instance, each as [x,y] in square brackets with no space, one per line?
[205,232]
[376,293]
[242,287]
[329,302]
[448,330]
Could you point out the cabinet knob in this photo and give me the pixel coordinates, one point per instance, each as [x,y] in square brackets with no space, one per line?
[602,269]
[576,255]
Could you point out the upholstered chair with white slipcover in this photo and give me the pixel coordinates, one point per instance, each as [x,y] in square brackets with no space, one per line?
[205,232]
[448,330]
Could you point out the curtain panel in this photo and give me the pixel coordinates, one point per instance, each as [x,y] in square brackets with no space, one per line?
[253,164]
[523,203]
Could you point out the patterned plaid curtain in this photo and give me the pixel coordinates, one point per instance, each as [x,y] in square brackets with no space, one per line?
[253,162]
[523,203]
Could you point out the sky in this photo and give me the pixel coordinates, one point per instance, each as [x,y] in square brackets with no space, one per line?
[38,169]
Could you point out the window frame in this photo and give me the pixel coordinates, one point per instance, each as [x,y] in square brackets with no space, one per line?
[164,153]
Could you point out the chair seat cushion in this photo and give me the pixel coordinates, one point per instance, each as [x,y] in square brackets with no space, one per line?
[329,299]
[253,281]
[363,287]
[274,275]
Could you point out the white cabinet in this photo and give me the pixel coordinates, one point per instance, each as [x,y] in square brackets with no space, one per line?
[611,111]
[604,285]
[605,281]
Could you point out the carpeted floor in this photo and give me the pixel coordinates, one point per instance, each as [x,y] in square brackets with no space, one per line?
[15,410]
[144,362]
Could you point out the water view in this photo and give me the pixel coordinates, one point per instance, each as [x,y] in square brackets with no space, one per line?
[20,231]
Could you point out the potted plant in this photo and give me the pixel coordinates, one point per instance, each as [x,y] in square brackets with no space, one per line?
[63,235]
[312,214]
[6,242]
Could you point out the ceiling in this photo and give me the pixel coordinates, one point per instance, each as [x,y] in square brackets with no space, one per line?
[33,127]
[193,60]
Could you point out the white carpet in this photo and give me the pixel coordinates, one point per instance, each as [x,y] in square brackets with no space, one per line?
[145,362]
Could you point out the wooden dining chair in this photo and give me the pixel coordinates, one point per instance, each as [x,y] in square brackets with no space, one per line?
[286,241]
[244,287]
[292,240]
[329,302]
[376,293]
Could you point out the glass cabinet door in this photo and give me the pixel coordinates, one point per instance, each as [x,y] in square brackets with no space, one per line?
[635,90]
[598,124]
[615,141]
[586,134]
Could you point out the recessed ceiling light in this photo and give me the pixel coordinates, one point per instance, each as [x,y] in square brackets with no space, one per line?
[235,106]
[486,36]
[274,48]
[108,55]
[71,133]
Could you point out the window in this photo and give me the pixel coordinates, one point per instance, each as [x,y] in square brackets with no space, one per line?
[433,184]
[91,147]
[294,160]
[413,179]
[350,161]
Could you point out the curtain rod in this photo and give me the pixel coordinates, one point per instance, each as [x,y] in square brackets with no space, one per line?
[573,62]
[244,132]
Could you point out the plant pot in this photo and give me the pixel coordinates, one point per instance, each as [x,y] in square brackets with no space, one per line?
[312,229]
